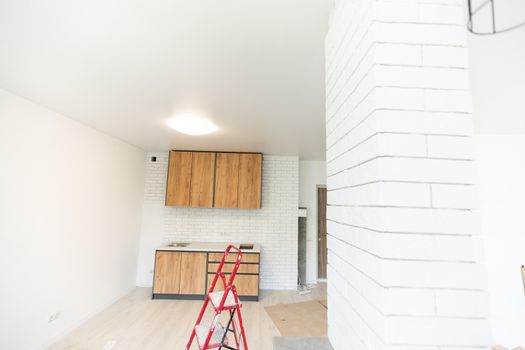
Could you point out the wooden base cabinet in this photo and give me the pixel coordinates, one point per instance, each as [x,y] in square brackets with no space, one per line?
[188,275]
[247,285]
[193,273]
[247,278]
[179,273]
[167,273]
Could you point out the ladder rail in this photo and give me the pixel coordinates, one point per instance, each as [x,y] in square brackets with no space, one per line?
[241,323]
[199,319]
[221,266]
[211,331]
[229,287]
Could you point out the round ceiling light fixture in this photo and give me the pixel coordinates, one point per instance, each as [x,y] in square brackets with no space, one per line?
[190,124]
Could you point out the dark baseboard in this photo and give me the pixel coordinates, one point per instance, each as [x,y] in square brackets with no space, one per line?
[178,296]
[195,297]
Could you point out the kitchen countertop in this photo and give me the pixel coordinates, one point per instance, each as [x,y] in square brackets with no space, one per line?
[207,247]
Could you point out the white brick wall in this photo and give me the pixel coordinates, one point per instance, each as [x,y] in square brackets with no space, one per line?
[404,263]
[274,226]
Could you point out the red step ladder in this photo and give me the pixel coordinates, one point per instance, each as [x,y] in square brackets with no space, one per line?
[215,335]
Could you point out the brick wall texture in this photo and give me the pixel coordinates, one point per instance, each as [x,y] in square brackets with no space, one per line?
[405,266]
[274,226]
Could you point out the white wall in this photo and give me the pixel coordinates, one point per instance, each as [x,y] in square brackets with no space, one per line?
[274,226]
[69,222]
[405,269]
[501,164]
[311,174]
[498,74]
[498,87]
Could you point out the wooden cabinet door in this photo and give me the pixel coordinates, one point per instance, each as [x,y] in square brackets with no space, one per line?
[202,178]
[228,268]
[226,180]
[232,257]
[247,285]
[167,273]
[193,273]
[179,179]
[250,174]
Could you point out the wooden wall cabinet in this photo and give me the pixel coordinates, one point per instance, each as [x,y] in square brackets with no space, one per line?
[250,180]
[202,177]
[218,180]
[179,179]
[188,275]
[238,181]
[227,180]
[190,179]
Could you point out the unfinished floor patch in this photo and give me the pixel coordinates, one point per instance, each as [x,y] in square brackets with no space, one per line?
[306,319]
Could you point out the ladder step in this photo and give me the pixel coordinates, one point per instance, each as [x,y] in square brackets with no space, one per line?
[216,298]
[218,338]
[202,332]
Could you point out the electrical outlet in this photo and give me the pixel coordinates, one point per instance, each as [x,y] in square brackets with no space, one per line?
[53,317]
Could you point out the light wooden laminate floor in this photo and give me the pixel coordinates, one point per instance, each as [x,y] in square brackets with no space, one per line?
[138,323]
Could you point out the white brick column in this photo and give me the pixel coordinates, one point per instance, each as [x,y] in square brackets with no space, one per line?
[404,264]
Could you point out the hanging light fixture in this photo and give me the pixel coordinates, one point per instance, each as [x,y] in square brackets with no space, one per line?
[482,19]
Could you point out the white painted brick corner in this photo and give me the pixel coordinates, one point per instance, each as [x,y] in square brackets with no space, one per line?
[405,267]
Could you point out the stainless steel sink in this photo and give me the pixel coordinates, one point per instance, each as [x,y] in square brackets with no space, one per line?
[178,244]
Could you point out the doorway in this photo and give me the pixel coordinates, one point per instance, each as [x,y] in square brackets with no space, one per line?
[322,252]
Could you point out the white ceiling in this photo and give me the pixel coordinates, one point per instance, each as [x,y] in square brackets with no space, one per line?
[124,66]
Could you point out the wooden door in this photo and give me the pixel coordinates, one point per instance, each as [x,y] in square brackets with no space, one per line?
[226,180]
[193,273]
[250,174]
[321,233]
[179,179]
[202,179]
[167,273]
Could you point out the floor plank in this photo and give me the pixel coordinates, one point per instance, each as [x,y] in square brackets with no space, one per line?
[138,323]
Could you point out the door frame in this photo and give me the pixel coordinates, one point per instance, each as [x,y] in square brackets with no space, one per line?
[318,235]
